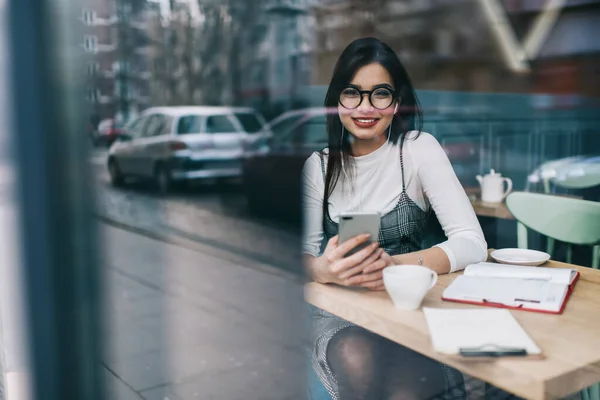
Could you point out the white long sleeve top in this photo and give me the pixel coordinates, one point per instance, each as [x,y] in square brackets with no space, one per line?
[377,186]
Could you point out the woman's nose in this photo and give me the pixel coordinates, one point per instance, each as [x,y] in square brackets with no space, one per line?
[365,104]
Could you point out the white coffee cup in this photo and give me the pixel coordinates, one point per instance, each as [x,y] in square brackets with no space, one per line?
[407,285]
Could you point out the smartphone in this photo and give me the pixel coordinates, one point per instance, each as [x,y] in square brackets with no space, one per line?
[357,223]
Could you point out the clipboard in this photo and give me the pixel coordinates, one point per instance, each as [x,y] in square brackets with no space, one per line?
[471,333]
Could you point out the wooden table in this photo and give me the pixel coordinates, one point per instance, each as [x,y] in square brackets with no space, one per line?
[494,210]
[570,342]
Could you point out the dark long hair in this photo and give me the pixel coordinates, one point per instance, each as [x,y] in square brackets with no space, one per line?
[359,53]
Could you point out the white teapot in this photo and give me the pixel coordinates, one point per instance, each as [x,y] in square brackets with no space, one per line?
[492,187]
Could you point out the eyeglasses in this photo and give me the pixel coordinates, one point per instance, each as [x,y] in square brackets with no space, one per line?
[380,98]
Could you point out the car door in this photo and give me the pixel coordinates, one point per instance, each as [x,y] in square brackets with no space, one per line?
[123,150]
[227,138]
[155,144]
[138,148]
[190,131]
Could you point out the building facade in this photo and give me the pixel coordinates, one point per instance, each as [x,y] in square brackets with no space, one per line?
[116,46]
[232,52]
[568,63]
[453,44]
[444,44]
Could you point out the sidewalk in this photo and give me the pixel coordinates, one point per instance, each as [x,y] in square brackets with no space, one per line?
[182,324]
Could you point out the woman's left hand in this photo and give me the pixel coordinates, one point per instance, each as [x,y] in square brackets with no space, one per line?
[374,271]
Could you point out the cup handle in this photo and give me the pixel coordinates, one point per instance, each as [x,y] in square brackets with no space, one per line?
[434,278]
[508,188]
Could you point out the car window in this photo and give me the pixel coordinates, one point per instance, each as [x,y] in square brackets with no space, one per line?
[153,127]
[315,131]
[158,125]
[250,122]
[189,124]
[136,128]
[312,132]
[167,124]
[219,124]
[282,127]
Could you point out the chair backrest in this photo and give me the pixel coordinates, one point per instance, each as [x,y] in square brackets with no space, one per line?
[581,174]
[562,218]
[579,182]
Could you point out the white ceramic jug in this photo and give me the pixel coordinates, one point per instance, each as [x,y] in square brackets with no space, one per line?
[492,187]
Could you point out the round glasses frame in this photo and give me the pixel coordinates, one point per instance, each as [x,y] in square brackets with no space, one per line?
[370,93]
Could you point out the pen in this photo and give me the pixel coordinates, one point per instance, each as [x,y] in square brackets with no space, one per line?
[514,302]
[528,301]
[492,353]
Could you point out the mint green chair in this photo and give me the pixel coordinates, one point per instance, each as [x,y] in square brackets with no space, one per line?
[561,218]
[569,220]
[570,173]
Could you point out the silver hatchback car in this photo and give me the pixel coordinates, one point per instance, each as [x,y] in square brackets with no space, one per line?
[170,144]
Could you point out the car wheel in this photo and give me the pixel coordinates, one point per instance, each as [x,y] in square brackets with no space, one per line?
[162,179]
[116,177]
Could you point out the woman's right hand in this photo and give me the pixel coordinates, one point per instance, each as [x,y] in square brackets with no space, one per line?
[348,271]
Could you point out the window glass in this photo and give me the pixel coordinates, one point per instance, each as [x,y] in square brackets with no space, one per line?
[90,42]
[315,131]
[166,125]
[158,125]
[189,124]
[282,127]
[312,131]
[136,127]
[219,124]
[250,122]
[154,126]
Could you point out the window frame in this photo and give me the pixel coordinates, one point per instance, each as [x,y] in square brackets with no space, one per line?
[90,43]
[88,16]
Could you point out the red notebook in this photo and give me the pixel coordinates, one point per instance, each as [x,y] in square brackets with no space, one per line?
[511,286]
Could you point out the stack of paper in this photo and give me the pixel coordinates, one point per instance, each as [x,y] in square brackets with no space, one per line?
[454,330]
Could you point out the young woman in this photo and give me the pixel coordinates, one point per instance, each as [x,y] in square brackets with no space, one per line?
[379,160]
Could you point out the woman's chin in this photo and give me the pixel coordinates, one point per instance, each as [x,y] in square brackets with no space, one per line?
[368,136]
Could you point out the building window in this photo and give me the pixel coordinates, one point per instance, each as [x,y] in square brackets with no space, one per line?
[89,16]
[93,95]
[93,68]
[90,43]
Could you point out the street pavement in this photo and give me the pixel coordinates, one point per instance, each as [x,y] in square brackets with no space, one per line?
[215,215]
[199,300]
[182,324]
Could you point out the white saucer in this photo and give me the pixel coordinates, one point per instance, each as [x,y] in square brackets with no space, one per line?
[520,257]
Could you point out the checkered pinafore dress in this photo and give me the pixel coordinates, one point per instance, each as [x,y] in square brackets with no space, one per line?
[401,231]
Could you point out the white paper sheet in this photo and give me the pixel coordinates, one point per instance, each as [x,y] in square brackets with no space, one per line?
[455,329]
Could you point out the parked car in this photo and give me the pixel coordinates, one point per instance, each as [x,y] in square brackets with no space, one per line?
[272,168]
[107,132]
[177,144]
